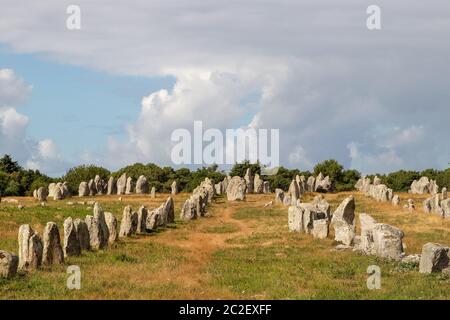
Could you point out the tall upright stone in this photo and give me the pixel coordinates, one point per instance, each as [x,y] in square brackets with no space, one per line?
[395,200]
[30,248]
[266,187]
[41,194]
[174,188]
[83,189]
[367,224]
[279,195]
[122,184]
[295,219]
[343,221]
[142,185]
[258,185]
[142,220]
[189,210]
[169,210]
[99,216]
[129,222]
[153,193]
[111,187]
[82,231]
[444,193]
[92,188]
[53,252]
[130,186]
[311,183]
[249,180]
[71,243]
[434,258]
[293,192]
[111,223]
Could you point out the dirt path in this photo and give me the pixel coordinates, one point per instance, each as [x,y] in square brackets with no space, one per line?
[198,247]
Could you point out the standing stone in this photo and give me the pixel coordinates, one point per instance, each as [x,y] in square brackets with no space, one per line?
[174,188]
[83,189]
[258,184]
[279,195]
[82,231]
[111,223]
[35,193]
[8,264]
[122,184]
[367,224]
[237,188]
[130,186]
[99,216]
[100,185]
[57,194]
[189,210]
[95,233]
[396,200]
[51,190]
[444,193]
[111,187]
[129,222]
[42,194]
[293,192]
[153,193]
[92,188]
[218,187]
[71,244]
[142,220]
[142,185]
[320,229]
[376,181]
[249,180]
[169,210]
[152,220]
[427,205]
[295,219]
[434,258]
[445,207]
[30,248]
[323,184]
[433,187]
[266,187]
[343,221]
[311,183]
[53,252]
[387,241]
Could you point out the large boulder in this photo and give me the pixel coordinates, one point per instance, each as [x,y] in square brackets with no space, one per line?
[388,241]
[92,188]
[266,187]
[111,223]
[52,249]
[237,188]
[41,194]
[249,180]
[30,248]
[83,236]
[322,184]
[169,210]
[434,258]
[189,210]
[57,194]
[320,228]
[83,189]
[8,264]
[421,186]
[343,221]
[71,243]
[100,185]
[142,185]
[445,206]
[122,184]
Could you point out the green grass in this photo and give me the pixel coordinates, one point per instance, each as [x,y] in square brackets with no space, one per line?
[254,213]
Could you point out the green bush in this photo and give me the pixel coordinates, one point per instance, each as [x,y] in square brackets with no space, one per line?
[76,175]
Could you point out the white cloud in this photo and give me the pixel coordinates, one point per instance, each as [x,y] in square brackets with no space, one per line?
[324,79]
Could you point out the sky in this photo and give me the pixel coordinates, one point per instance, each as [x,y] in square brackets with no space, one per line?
[112,92]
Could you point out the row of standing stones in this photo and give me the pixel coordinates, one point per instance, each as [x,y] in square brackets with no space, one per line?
[438,203]
[380,239]
[95,232]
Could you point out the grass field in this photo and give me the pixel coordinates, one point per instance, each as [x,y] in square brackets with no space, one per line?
[244,251]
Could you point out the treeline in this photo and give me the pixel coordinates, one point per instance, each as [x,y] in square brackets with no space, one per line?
[17,181]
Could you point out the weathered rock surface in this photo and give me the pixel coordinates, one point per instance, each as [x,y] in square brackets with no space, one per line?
[279,195]
[434,258]
[71,243]
[367,224]
[111,187]
[388,241]
[111,224]
[343,221]
[153,193]
[237,188]
[30,248]
[258,184]
[142,185]
[130,188]
[52,249]
[128,225]
[141,220]
[249,180]
[174,188]
[122,184]
[83,189]
[41,194]
[8,264]
[295,219]
[83,236]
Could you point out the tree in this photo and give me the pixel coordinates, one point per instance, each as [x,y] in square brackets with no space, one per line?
[330,168]
[8,165]
[76,175]
[239,169]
